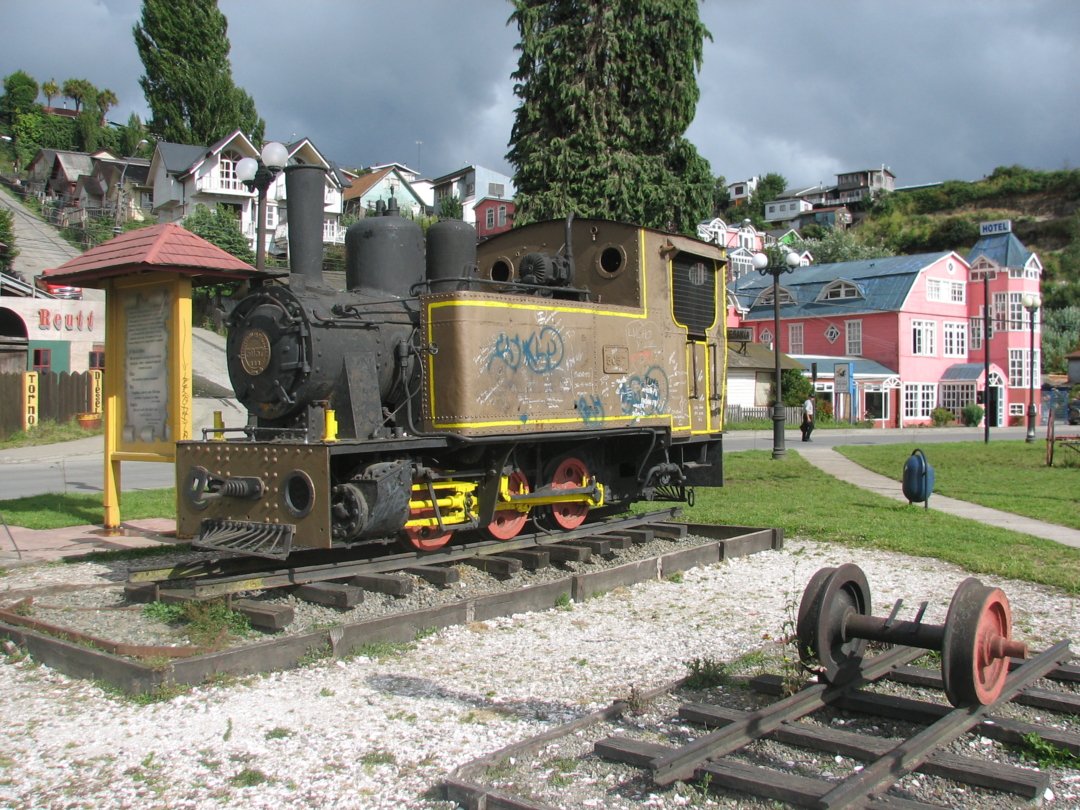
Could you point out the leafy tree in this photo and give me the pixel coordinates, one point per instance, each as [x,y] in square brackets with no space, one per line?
[80,91]
[7,237]
[222,228]
[796,387]
[106,100]
[721,197]
[51,90]
[450,208]
[131,136]
[20,95]
[184,47]
[1060,336]
[838,245]
[607,89]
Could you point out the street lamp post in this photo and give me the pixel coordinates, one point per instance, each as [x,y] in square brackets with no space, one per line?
[257,175]
[1032,302]
[763,266]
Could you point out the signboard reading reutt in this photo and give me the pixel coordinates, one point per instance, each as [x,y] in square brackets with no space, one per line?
[148,275]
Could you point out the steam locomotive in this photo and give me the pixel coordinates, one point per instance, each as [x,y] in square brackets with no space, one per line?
[557,372]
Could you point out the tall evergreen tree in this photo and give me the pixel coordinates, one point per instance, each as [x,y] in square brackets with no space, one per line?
[607,89]
[184,47]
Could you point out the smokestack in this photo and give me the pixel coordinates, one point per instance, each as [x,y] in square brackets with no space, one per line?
[305,188]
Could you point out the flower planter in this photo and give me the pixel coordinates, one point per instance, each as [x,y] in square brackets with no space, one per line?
[88,421]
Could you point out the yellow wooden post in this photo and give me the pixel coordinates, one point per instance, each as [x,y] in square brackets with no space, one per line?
[114,353]
[30,401]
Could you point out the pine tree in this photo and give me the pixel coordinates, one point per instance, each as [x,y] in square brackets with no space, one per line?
[607,89]
[184,47]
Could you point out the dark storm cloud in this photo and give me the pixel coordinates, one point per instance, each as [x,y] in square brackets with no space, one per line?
[933,89]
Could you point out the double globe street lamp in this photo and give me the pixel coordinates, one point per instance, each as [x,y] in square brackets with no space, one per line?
[1032,302]
[775,269]
[257,175]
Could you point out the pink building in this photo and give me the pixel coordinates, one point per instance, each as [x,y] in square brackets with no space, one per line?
[893,338]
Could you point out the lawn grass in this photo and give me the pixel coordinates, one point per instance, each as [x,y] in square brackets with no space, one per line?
[55,511]
[47,432]
[1007,475]
[805,502]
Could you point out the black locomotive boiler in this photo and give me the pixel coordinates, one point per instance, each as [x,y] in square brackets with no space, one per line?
[556,372]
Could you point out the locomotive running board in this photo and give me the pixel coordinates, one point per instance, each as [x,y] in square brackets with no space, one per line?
[270,540]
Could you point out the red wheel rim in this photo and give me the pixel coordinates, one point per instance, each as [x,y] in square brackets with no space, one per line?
[508,523]
[977,644]
[425,538]
[989,670]
[571,474]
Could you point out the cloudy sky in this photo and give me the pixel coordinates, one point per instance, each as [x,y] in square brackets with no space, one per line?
[934,89]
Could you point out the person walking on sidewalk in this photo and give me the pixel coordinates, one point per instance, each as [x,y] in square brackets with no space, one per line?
[807,426]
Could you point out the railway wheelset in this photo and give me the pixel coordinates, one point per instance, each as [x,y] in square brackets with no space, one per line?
[835,626]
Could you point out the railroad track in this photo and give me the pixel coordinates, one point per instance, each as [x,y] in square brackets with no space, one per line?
[982,668]
[710,758]
[321,579]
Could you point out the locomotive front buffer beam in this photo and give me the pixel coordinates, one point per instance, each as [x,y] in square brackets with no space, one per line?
[834,626]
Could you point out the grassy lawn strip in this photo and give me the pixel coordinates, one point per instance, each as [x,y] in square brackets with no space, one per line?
[48,432]
[1011,476]
[804,501]
[55,511]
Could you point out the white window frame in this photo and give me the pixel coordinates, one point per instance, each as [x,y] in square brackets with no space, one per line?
[924,338]
[795,338]
[853,338]
[956,395]
[1020,367]
[839,290]
[489,218]
[765,335]
[227,171]
[919,400]
[935,289]
[954,339]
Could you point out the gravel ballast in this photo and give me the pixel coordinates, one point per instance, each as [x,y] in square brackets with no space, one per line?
[381,732]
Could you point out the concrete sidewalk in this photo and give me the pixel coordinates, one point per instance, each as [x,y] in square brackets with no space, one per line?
[838,466]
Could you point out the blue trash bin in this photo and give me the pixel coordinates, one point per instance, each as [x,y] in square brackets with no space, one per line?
[918,479]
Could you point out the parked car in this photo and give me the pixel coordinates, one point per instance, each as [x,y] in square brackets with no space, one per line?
[1074,412]
[58,290]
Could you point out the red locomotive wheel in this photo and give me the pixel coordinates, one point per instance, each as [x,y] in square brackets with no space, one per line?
[977,647]
[570,474]
[425,538]
[508,523]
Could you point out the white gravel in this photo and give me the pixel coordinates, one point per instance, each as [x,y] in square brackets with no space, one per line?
[368,733]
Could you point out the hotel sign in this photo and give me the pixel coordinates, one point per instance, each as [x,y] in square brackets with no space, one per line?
[993,228]
[740,335]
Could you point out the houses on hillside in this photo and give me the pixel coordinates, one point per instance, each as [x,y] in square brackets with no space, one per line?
[181,177]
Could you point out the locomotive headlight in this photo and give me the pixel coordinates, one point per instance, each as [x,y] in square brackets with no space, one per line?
[255,351]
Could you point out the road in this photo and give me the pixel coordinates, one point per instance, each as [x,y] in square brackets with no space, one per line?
[78,466]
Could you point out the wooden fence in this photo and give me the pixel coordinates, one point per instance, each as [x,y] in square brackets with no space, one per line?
[740,413]
[60,398]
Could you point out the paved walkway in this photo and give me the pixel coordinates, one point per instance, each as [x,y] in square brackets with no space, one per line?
[828,460]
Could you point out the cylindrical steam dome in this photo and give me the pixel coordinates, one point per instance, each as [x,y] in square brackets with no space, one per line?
[384,255]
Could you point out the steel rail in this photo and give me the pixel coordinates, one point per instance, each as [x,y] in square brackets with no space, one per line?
[682,763]
[220,582]
[881,774]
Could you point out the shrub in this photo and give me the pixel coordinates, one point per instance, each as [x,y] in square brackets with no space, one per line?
[971,414]
[942,416]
